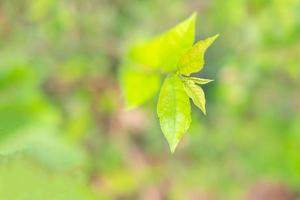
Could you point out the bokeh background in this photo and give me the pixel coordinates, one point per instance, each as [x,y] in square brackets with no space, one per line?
[64,133]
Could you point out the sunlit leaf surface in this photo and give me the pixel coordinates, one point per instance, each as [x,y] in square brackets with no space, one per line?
[193,60]
[173,110]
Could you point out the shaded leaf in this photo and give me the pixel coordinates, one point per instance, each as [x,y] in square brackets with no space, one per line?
[196,93]
[173,110]
[165,50]
[138,86]
[193,60]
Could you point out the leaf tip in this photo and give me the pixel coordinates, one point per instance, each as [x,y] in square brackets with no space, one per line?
[173,148]
[192,18]
[194,15]
[173,143]
[203,108]
[216,36]
[210,81]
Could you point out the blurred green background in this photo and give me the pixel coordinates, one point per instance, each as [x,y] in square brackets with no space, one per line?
[64,134]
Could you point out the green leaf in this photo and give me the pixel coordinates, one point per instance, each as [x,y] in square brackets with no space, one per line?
[200,81]
[193,60]
[138,86]
[196,93]
[147,53]
[174,110]
[165,50]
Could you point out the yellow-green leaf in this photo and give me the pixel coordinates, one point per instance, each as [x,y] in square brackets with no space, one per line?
[200,81]
[196,93]
[193,60]
[138,86]
[165,50]
[174,110]
[147,54]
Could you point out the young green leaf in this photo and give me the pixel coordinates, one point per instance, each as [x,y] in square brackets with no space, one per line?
[165,50]
[174,110]
[193,60]
[200,81]
[147,53]
[196,93]
[138,86]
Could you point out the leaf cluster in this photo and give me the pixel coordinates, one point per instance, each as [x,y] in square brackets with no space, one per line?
[174,54]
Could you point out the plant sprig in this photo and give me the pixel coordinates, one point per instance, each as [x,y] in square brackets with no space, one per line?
[175,55]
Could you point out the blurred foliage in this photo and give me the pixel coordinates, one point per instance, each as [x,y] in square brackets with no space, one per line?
[21,179]
[60,104]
